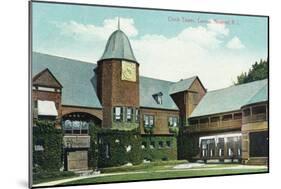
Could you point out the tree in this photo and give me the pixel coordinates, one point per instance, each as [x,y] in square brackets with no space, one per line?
[258,71]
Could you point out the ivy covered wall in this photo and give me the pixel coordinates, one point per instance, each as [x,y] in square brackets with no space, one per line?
[47,146]
[119,147]
[157,148]
[93,150]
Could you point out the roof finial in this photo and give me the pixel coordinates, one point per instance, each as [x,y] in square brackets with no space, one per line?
[118,23]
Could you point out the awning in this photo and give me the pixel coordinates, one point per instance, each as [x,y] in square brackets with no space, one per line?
[47,108]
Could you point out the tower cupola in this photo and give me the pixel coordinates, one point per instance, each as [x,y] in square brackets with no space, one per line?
[118,47]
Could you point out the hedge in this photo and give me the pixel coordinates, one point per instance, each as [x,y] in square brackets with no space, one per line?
[117,141]
[50,138]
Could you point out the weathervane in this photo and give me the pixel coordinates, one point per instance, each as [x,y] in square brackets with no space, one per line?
[118,23]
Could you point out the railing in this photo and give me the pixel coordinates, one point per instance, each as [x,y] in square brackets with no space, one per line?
[254,118]
[218,125]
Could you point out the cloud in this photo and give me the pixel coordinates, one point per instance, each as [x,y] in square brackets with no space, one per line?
[93,32]
[217,27]
[192,51]
[235,43]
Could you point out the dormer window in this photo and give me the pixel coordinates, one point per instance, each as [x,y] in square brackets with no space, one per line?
[158,97]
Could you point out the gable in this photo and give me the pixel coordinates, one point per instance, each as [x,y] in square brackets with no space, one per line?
[197,86]
[47,79]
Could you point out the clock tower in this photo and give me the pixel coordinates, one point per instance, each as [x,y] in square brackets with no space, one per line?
[118,83]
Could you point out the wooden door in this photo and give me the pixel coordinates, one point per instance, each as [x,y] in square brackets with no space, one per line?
[77,160]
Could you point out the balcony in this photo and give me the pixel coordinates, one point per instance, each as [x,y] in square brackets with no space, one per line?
[215,126]
[254,118]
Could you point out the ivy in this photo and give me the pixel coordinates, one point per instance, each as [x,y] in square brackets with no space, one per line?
[160,152]
[49,138]
[117,148]
[93,150]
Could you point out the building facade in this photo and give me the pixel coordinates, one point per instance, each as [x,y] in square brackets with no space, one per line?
[176,120]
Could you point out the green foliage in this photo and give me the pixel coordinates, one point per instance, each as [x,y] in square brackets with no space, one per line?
[93,150]
[148,130]
[46,135]
[188,145]
[258,71]
[157,153]
[117,142]
[174,130]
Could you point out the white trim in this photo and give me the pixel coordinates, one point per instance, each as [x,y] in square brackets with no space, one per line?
[49,89]
[216,137]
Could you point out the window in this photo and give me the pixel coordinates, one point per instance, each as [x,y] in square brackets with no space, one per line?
[160,144]
[137,115]
[168,144]
[39,145]
[173,121]
[148,121]
[75,127]
[118,113]
[129,112]
[158,97]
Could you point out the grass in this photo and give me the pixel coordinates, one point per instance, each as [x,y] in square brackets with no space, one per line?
[157,165]
[52,176]
[164,172]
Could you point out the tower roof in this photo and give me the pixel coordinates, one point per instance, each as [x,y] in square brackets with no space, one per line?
[118,46]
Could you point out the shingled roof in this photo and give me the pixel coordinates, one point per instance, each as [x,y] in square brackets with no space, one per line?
[79,83]
[76,77]
[182,85]
[231,98]
[118,47]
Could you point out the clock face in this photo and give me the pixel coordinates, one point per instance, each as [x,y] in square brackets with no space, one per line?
[128,71]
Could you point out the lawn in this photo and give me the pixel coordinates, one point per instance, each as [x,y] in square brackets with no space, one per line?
[166,171]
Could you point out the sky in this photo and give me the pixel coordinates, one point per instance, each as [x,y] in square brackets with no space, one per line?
[168,45]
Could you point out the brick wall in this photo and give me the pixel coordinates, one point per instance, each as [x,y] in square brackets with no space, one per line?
[112,91]
[161,119]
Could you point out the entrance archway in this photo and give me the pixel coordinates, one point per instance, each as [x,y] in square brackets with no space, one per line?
[77,139]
